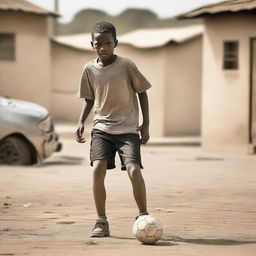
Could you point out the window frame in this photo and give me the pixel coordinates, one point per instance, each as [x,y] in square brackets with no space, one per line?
[230,56]
[9,46]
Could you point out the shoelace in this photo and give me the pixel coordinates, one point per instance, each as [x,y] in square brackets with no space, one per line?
[101,225]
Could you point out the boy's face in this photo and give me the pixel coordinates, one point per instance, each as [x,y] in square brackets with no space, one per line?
[104,44]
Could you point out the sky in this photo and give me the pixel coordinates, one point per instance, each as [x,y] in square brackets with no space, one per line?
[163,8]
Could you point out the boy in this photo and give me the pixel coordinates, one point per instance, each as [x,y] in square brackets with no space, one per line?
[110,84]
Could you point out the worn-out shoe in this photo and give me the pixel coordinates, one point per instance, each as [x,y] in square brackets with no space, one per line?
[101,229]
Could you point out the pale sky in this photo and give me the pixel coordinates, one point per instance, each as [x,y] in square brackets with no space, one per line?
[163,8]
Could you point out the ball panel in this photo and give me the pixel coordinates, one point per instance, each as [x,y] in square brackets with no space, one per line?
[141,235]
[158,234]
[150,219]
[159,225]
[135,229]
[149,240]
[142,224]
[150,229]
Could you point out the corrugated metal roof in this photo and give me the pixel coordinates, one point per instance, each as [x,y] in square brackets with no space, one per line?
[24,6]
[226,6]
[141,38]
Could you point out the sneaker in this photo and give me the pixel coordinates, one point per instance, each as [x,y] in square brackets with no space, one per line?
[101,229]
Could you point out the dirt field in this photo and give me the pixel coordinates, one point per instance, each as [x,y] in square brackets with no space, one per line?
[206,202]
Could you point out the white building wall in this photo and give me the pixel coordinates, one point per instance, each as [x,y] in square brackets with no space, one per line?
[151,63]
[67,66]
[225,107]
[183,88]
[28,77]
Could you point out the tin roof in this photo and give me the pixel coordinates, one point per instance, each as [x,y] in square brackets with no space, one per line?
[141,38]
[226,6]
[24,6]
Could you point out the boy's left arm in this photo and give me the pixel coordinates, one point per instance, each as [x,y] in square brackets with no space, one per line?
[144,128]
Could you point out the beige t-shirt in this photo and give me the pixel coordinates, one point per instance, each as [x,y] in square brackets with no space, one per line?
[113,89]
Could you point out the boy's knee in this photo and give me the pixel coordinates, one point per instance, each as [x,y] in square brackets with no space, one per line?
[99,168]
[133,170]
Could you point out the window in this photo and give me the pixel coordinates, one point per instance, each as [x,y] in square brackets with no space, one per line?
[7,46]
[230,55]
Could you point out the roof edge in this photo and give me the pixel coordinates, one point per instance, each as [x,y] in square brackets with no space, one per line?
[55,40]
[187,15]
[28,7]
[52,14]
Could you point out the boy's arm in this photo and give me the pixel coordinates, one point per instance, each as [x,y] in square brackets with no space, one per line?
[144,128]
[87,107]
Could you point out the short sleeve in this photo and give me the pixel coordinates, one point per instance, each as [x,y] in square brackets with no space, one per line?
[85,89]
[139,82]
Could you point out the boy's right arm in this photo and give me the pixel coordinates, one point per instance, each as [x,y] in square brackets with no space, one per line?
[87,107]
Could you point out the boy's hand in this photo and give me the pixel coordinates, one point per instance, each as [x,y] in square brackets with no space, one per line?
[79,134]
[144,133]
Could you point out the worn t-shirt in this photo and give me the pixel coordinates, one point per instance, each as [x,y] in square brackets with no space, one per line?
[113,89]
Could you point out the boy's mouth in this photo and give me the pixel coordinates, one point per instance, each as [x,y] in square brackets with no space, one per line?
[103,54]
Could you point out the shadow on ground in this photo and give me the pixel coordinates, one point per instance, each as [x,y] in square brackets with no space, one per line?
[208,241]
[161,242]
[62,160]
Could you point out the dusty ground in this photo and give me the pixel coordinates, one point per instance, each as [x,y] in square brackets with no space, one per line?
[206,202]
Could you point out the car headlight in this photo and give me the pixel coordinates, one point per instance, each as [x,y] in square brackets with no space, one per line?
[46,125]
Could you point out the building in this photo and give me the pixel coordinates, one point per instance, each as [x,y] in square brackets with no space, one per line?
[25,52]
[169,58]
[229,75]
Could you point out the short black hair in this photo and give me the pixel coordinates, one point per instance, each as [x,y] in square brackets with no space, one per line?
[103,27]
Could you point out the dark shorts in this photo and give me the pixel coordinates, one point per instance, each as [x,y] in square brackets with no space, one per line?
[105,146]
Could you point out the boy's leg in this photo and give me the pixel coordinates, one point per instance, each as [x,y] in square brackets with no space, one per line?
[101,227]
[138,185]
[99,191]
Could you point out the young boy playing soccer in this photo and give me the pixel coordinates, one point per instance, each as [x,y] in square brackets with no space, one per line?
[110,84]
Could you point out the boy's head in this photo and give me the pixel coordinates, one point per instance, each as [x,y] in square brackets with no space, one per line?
[104,40]
[103,27]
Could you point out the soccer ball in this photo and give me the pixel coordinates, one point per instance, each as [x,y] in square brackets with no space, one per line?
[147,229]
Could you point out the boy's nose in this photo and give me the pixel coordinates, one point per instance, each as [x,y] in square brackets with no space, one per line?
[102,48]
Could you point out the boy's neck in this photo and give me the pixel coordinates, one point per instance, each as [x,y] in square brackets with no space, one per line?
[109,61]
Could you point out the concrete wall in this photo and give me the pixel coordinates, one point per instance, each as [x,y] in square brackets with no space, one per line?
[28,77]
[225,115]
[67,65]
[151,63]
[183,88]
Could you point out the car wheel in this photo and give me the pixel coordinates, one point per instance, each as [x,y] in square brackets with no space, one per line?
[15,151]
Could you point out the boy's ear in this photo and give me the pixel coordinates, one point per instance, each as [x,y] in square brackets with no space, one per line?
[92,44]
[116,43]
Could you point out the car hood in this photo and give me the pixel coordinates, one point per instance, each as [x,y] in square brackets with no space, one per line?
[23,107]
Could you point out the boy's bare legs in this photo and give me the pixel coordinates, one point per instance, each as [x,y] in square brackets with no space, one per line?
[99,191]
[138,185]
[101,228]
